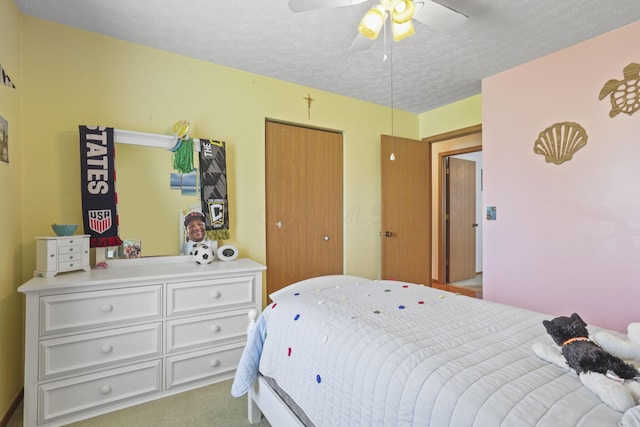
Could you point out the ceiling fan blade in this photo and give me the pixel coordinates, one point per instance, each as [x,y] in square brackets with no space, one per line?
[361,43]
[437,16]
[304,5]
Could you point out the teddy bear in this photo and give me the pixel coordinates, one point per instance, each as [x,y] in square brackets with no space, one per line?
[614,381]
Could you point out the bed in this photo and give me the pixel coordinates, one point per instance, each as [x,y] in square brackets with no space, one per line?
[348,351]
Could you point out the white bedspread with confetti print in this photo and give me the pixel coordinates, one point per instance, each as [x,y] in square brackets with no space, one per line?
[387,353]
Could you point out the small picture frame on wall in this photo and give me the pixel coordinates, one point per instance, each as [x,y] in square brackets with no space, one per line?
[491,213]
[4,140]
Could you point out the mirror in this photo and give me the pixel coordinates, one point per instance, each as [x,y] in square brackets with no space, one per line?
[148,208]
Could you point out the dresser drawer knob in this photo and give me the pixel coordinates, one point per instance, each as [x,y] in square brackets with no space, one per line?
[107,348]
[215,363]
[215,294]
[107,308]
[105,389]
[215,328]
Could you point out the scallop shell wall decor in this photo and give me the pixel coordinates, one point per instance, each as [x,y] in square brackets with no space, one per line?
[624,94]
[559,142]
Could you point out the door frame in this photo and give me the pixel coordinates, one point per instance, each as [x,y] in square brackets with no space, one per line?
[440,255]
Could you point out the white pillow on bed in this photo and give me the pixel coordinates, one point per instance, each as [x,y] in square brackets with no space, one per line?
[631,418]
[320,282]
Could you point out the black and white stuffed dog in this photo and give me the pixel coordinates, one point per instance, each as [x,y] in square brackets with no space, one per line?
[616,382]
[582,354]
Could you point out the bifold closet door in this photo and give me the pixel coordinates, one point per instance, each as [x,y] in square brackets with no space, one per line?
[304,203]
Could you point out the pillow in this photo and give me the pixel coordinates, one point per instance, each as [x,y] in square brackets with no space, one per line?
[631,418]
[320,282]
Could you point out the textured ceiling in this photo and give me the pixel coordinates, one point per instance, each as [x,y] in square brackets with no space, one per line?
[430,69]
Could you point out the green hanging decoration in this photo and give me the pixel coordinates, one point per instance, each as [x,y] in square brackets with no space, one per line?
[183,156]
[183,148]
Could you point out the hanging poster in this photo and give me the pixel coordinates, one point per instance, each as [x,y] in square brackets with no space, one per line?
[98,176]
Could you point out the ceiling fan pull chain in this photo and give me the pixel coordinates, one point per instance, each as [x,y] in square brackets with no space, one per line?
[384,33]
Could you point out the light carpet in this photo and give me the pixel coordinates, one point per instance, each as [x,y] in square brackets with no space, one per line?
[211,406]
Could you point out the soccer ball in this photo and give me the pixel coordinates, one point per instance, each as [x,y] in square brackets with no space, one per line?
[203,253]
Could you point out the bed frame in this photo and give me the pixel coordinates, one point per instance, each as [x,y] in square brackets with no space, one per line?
[263,400]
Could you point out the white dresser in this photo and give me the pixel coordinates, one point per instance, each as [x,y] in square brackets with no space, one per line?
[105,339]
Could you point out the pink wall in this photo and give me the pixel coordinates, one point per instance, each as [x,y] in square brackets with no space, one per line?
[567,237]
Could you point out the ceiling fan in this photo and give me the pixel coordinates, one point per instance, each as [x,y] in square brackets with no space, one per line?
[400,13]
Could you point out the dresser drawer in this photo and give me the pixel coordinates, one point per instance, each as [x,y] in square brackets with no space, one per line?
[203,295]
[63,398]
[211,365]
[70,265]
[183,334]
[84,310]
[69,257]
[70,247]
[67,355]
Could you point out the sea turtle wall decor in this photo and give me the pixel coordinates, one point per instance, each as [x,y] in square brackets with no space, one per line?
[560,141]
[625,94]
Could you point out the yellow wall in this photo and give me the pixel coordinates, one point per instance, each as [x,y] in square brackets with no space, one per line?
[11,209]
[74,77]
[457,115]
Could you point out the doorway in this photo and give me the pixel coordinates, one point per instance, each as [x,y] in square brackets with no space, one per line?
[304,203]
[463,221]
[460,143]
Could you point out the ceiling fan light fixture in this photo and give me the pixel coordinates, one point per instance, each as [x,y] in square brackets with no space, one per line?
[372,22]
[403,11]
[401,31]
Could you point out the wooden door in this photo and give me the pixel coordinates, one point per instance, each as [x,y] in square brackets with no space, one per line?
[461,224]
[304,206]
[406,210]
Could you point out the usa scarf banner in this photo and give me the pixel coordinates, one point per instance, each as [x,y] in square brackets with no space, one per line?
[213,188]
[98,178]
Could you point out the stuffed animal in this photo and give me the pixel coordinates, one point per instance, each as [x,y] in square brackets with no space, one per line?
[613,380]
[627,349]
